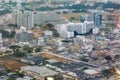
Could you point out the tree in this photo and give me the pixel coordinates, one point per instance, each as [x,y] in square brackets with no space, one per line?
[38,49]
[34,79]
[19,74]
[12,34]
[108,58]
[11,78]
[51,27]
[27,49]
[1,73]
[55,33]
[7,34]
[72,18]
[18,53]
[14,47]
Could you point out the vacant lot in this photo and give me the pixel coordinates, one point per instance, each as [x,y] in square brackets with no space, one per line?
[55,57]
[12,65]
[75,15]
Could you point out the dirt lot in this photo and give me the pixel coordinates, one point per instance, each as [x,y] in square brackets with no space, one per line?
[12,65]
[68,16]
[55,57]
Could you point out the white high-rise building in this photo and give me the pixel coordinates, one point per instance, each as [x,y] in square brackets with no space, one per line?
[17,18]
[28,19]
[17,15]
[1,41]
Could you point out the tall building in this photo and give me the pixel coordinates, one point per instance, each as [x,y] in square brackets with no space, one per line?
[17,18]
[25,19]
[47,17]
[28,19]
[98,19]
[118,24]
[1,41]
[17,15]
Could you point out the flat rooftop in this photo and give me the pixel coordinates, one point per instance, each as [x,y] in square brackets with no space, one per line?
[43,71]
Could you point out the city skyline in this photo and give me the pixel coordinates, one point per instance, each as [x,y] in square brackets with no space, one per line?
[59,40]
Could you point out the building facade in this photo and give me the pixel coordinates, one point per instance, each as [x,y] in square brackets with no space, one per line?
[98,19]
[17,18]
[28,19]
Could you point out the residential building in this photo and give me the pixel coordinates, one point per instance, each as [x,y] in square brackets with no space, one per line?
[81,28]
[47,17]
[41,41]
[98,19]
[28,19]
[71,29]
[24,36]
[1,41]
[118,24]
[17,18]
[48,33]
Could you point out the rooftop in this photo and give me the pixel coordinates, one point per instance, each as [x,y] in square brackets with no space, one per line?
[91,72]
[43,71]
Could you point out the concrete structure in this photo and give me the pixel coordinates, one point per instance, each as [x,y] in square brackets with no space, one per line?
[68,30]
[61,1]
[41,41]
[1,41]
[25,19]
[66,34]
[78,27]
[47,17]
[17,18]
[81,28]
[98,19]
[24,36]
[48,33]
[118,24]
[28,19]
[40,73]
[91,73]
[95,30]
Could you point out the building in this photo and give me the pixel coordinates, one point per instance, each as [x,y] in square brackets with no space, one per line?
[41,41]
[98,19]
[25,19]
[95,30]
[48,33]
[17,15]
[88,17]
[28,19]
[40,73]
[17,18]
[1,41]
[47,17]
[24,36]
[91,73]
[66,34]
[72,29]
[81,28]
[77,27]
[61,1]
[118,24]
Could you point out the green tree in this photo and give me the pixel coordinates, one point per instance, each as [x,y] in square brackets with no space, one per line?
[11,78]
[18,53]
[38,49]
[1,73]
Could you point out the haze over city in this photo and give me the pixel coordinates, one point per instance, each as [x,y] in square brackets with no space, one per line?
[59,39]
